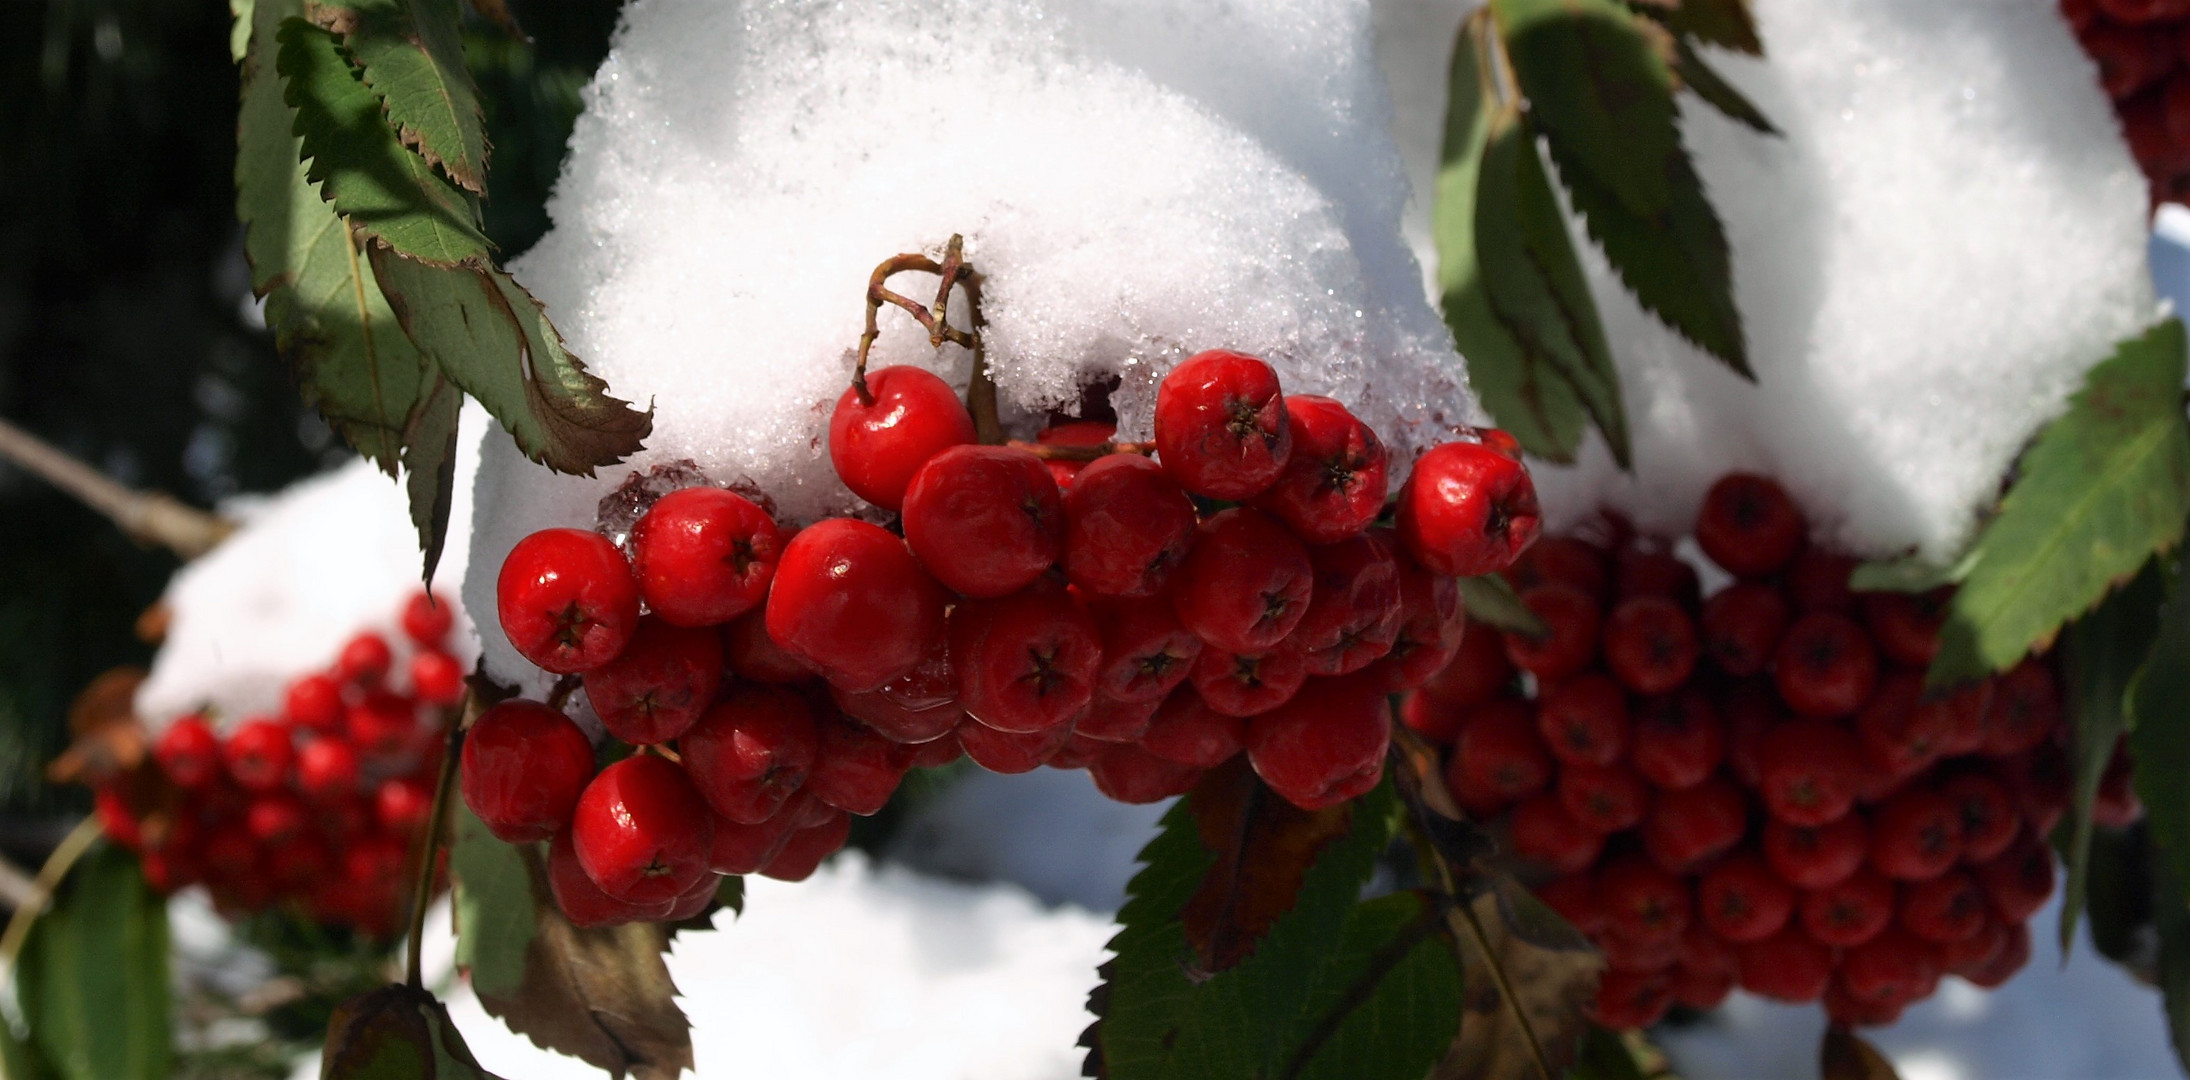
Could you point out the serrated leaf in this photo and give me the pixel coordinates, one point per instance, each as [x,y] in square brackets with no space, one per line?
[492,339]
[2103,651]
[1264,847]
[492,905]
[333,329]
[2118,895]
[92,977]
[429,467]
[1533,280]
[1728,24]
[1909,574]
[411,53]
[602,995]
[1844,1055]
[396,1033]
[1490,600]
[1527,398]
[1709,85]
[2159,738]
[1389,1001]
[385,189]
[2105,486]
[1157,1018]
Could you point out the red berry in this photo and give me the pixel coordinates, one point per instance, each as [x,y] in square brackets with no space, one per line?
[2009,960]
[751,752]
[188,752]
[1989,815]
[1849,912]
[1498,757]
[1432,626]
[1906,625]
[315,702]
[1577,900]
[1430,718]
[1916,835]
[1602,798]
[1186,730]
[1978,949]
[755,656]
[1130,774]
[1742,900]
[382,723]
[1221,425]
[523,768]
[1650,644]
[1479,670]
[1961,717]
[1324,746]
[1355,609]
[1742,625]
[2025,711]
[567,600]
[403,804]
[1825,666]
[850,601]
[1012,752]
[1642,902]
[1147,652]
[364,660]
[1704,990]
[641,832]
[704,556]
[738,848]
[327,769]
[426,619]
[804,850]
[1025,662]
[935,753]
[985,520]
[1246,584]
[2042,782]
[1128,525]
[1689,826]
[916,707]
[436,678]
[878,444]
[1751,710]
[1242,685]
[1748,525]
[1562,560]
[1543,832]
[258,753]
[1112,721]
[1899,737]
[582,901]
[659,684]
[1787,966]
[2019,879]
[1467,510]
[1819,856]
[274,817]
[1572,618]
[1893,965]
[1677,740]
[1950,907]
[1818,581]
[1808,770]
[1585,721]
[1335,482]
[1648,572]
[1628,999]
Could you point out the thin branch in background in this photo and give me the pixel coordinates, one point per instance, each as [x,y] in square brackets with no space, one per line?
[149,517]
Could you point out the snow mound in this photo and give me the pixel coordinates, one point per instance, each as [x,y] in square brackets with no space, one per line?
[1137,181]
[1951,231]
[330,556]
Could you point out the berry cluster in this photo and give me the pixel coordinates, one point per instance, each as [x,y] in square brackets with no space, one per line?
[2143,52]
[1072,602]
[321,804]
[1754,789]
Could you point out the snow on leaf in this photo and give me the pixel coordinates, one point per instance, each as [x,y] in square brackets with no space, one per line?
[384,188]
[1530,399]
[492,339]
[1844,1055]
[92,978]
[2159,740]
[412,55]
[331,325]
[396,1033]
[2105,486]
[2103,650]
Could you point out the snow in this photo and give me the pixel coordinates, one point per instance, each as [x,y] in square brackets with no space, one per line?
[1137,180]
[330,556]
[1949,234]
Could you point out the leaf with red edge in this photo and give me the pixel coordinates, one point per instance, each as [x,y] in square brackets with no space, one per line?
[1263,846]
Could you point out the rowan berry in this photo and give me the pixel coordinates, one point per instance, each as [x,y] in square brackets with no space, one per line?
[1748,525]
[738,848]
[877,441]
[1742,625]
[1543,832]
[1849,912]
[1584,721]
[1221,425]
[804,850]
[1324,746]
[1128,526]
[917,707]
[1354,609]
[1112,721]
[1334,483]
[855,770]
[754,656]
[1186,730]
[1498,757]
[1816,856]
[566,600]
[436,678]
[426,619]
[1562,560]
[1245,586]
[704,556]
[2025,710]
[641,832]
[1808,771]
[1643,902]
[1688,827]
[1236,684]
[2010,959]
[1916,835]
[402,804]
[364,660]
[1628,999]
[662,681]
[1467,510]
[1676,740]
[1825,666]
[1817,580]
[188,752]
[2019,879]
[850,601]
[1130,774]
[1572,618]
[1741,899]
[1478,671]
[523,768]
[258,753]
[584,903]
[748,754]
[1012,752]
[1906,625]
[1650,644]
[1602,798]
[1025,662]
[1639,571]
[985,520]
[1788,966]
[381,724]
[1432,630]
[1576,898]
[1950,907]
[327,769]
[314,701]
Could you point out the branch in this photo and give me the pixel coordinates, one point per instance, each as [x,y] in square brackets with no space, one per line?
[149,517]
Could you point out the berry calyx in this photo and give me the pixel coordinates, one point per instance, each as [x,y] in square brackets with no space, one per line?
[1221,426]
[1246,584]
[567,600]
[1467,510]
[704,556]
[1026,662]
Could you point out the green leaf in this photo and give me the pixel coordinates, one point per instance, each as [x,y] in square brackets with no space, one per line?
[1675,261]
[2118,895]
[386,190]
[412,55]
[1490,600]
[92,976]
[341,342]
[429,467]
[1390,999]
[396,1033]
[492,905]
[1288,1003]
[2104,650]
[490,337]
[1909,574]
[1605,1057]
[239,29]
[1725,23]
[2172,921]
[1529,399]
[2105,486]
[1715,90]
[2159,738]
[1533,280]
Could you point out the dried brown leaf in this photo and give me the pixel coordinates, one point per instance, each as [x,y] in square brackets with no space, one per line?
[108,741]
[1553,986]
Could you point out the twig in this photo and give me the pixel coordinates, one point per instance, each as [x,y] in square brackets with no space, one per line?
[17,889]
[149,517]
[429,862]
[1060,452]
[71,848]
[954,272]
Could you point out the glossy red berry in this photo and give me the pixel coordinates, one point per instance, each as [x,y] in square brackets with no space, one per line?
[436,678]
[985,520]
[1432,627]
[1130,774]
[704,556]
[1742,624]
[327,769]
[1816,856]
[879,441]
[1894,964]
[753,655]
[188,752]
[804,850]
[917,707]
[1742,900]
[1246,584]
[1632,999]
[1906,625]
[1011,752]
[1563,560]
[1572,618]
[1825,666]
[738,848]
[567,600]
[855,770]
[364,660]
[1690,826]
[1817,580]
[1650,644]
[382,723]
[851,601]
[1602,798]
[1355,608]
[1112,721]
[662,681]
[1324,746]
[1643,902]
[749,753]
[1498,757]
[1543,832]
[1128,526]
[1242,685]
[426,619]
[2020,879]
[1467,510]
[1335,483]
[582,901]
[641,832]
[258,753]
[1577,900]
[1676,740]
[314,701]
[1186,730]
[1749,526]
[1221,425]
[402,804]
[1650,571]
[1950,907]
[1788,966]
[1808,771]
[523,768]
[1025,662]
[1850,911]
[1585,720]
[1916,835]
[1147,651]
[2010,959]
